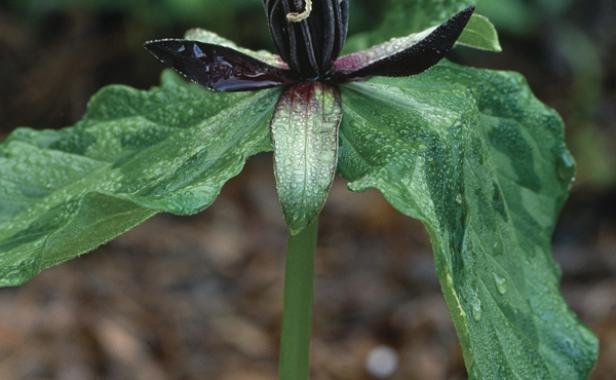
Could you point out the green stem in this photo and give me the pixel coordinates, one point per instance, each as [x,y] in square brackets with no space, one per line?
[297,314]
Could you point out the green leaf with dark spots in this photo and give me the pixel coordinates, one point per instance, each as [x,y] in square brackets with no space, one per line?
[305,136]
[482,163]
[135,153]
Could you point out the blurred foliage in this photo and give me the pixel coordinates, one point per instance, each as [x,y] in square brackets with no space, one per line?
[521,16]
[235,19]
[160,12]
[223,16]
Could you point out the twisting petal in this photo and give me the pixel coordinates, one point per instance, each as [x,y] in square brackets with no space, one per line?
[218,67]
[406,55]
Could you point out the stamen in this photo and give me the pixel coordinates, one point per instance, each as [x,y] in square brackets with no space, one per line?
[301,16]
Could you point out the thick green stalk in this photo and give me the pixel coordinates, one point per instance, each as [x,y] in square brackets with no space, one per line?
[297,314]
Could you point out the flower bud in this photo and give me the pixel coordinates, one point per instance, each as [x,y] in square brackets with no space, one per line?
[308,34]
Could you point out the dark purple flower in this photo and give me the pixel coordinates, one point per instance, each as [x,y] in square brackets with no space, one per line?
[309,35]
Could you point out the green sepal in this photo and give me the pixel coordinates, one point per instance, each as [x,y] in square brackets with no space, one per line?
[305,137]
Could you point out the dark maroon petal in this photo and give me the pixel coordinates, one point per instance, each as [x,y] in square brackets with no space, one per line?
[279,30]
[404,56]
[341,11]
[308,34]
[217,67]
[311,46]
[325,31]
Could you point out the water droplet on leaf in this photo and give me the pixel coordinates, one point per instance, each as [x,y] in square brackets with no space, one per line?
[459,199]
[566,167]
[501,284]
[476,310]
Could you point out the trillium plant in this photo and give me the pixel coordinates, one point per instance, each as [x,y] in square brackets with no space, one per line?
[469,152]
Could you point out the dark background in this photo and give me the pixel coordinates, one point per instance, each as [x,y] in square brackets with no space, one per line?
[200,297]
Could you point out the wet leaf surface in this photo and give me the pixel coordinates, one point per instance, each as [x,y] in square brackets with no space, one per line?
[482,163]
[136,153]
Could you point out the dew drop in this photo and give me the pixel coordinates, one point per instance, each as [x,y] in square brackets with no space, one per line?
[476,310]
[197,52]
[497,247]
[501,284]
[566,167]
[569,346]
[475,304]
[459,199]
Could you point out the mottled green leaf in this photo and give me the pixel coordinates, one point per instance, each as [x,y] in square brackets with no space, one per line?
[480,34]
[135,153]
[482,163]
[305,136]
